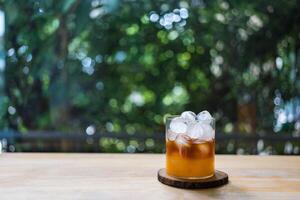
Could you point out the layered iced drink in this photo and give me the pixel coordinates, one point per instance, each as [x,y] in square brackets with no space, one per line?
[190,145]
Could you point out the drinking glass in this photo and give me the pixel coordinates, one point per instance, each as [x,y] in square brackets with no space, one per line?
[190,153]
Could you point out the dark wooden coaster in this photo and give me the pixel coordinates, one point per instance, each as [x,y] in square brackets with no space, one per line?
[220,178]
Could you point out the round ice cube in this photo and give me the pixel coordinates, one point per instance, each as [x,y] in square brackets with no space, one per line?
[195,130]
[188,115]
[208,132]
[178,125]
[204,116]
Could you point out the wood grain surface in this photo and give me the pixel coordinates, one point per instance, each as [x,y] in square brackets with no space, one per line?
[134,176]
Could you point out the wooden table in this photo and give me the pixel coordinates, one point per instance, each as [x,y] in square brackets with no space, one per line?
[133,176]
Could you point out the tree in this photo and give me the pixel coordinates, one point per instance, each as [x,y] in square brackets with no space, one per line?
[121,66]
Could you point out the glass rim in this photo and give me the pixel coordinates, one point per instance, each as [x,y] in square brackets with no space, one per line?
[170,117]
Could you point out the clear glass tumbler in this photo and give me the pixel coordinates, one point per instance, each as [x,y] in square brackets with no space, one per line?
[190,151]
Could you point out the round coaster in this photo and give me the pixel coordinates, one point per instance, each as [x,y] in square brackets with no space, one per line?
[220,178]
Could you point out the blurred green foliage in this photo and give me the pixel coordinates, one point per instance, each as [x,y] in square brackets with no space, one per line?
[120,66]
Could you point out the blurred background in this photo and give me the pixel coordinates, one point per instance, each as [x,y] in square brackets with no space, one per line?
[100,75]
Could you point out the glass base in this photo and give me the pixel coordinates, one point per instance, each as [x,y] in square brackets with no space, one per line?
[194,178]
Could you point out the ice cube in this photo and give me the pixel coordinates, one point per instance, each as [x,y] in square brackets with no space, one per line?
[188,115]
[171,135]
[183,144]
[178,125]
[204,149]
[182,140]
[204,116]
[208,132]
[195,130]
